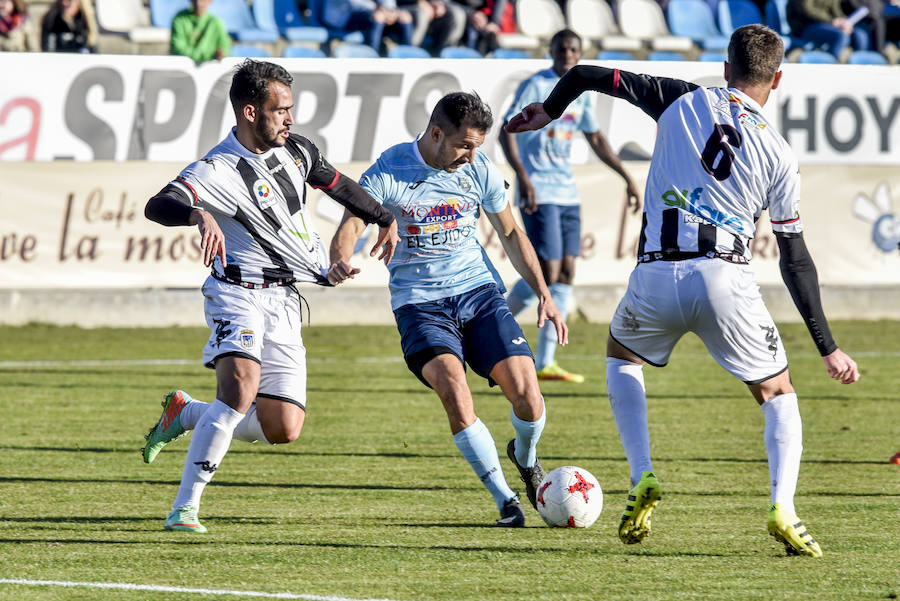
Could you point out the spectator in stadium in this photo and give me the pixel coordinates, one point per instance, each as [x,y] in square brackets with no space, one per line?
[69,26]
[199,34]
[445,294]
[14,27]
[442,21]
[823,23]
[717,164]
[372,17]
[547,194]
[882,23]
[248,193]
[487,19]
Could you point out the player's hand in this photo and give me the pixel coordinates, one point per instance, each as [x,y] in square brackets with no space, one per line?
[633,197]
[387,241]
[212,240]
[340,271]
[547,310]
[531,117]
[841,367]
[529,196]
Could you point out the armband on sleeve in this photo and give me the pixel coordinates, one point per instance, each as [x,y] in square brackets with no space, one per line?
[802,281]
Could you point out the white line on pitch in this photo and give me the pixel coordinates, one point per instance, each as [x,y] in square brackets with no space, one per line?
[177,589]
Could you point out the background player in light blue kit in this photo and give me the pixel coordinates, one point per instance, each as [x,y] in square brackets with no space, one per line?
[446,296]
[547,193]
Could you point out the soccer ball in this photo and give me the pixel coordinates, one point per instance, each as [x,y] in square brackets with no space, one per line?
[569,497]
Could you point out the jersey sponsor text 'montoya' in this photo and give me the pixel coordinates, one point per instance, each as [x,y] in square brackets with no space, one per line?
[259,202]
[439,254]
[546,153]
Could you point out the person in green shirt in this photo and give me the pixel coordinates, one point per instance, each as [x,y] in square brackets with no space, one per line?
[198,34]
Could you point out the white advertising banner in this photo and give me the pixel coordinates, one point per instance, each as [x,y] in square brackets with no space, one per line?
[81,226]
[163,108]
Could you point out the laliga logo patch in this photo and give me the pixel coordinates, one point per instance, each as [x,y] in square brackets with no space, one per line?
[749,121]
[265,196]
[247,339]
[878,211]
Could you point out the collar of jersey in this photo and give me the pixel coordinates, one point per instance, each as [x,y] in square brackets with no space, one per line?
[746,99]
[242,150]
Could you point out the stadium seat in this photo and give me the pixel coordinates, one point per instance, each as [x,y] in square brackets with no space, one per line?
[459,52]
[302,52]
[737,13]
[712,56]
[594,21]
[539,19]
[816,57]
[315,20]
[665,55]
[239,21]
[693,19]
[644,20]
[776,19]
[866,57]
[510,53]
[351,50]
[282,16]
[248,51]
[404,51]
[131,19]
[614,55]
[163,11]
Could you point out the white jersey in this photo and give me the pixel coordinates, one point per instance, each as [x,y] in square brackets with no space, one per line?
[259,202]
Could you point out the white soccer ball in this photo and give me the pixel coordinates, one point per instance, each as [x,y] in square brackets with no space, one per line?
[569,497]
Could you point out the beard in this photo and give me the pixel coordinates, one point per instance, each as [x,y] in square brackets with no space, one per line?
[271,137]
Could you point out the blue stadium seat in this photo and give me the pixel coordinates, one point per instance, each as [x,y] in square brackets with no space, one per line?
[248,51]
[867,57]
[404,51]
[315,19]
[816,57]
[283,17]
[665,55]
[239,21]
[737,13]
[163,11]
[459,52]
[694,19]
[776,19]
[350,50]
[510,53]
[712,56]
[614,55]
[302,52]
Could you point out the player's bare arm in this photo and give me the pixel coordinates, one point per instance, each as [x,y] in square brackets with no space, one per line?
[600,145]
[524,259]
[511,151]
[167,209]
[802,281]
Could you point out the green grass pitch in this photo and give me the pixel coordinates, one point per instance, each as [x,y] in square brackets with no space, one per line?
[374,501]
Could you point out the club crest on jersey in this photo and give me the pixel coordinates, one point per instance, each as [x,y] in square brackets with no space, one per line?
[247,339]
[264,193]
[465,184]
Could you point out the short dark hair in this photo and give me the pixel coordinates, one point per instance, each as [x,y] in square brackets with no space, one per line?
[457,108]
[564,34]
[755,53]
[250,84]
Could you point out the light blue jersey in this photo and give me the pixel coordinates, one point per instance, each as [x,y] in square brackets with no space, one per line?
[545,153]
[439,254]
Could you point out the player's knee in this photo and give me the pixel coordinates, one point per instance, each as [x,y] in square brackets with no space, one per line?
[283,433]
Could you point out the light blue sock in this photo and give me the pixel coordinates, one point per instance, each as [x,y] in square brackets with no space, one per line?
[547,341]
[527,436]
[520,296]
[477,445]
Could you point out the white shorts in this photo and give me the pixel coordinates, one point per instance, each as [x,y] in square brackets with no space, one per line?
[262,325]
[717,300]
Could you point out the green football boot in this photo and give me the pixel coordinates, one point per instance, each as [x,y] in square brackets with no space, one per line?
[790,531]
[168,428]
[642,500]
[185,519]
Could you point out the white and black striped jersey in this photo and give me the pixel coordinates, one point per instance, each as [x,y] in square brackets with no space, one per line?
[259,202]
[717,164]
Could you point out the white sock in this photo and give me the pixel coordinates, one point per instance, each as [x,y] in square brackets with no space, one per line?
[628,401]
[783,435]
[192,413]
[209,443]
[250,430]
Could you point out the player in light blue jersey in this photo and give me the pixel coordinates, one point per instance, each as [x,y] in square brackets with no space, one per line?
[546,190]
[445,294]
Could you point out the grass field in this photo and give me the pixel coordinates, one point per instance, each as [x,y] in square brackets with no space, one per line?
[374,501]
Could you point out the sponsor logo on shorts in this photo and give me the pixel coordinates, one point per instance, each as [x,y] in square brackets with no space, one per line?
[771,338]
[630,322]
[247,339]
[518,340]
[221,333]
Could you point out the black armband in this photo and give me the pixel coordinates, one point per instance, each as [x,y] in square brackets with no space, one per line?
[352,196]
[169,206]
[802,281]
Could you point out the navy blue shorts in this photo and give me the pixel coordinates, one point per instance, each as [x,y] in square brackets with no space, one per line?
[554,230]
[476,326]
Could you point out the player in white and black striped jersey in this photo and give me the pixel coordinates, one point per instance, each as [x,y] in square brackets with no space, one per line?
[717,164]
[248,198]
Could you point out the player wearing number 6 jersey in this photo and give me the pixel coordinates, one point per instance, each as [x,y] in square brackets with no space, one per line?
[717,164]
[249,192]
